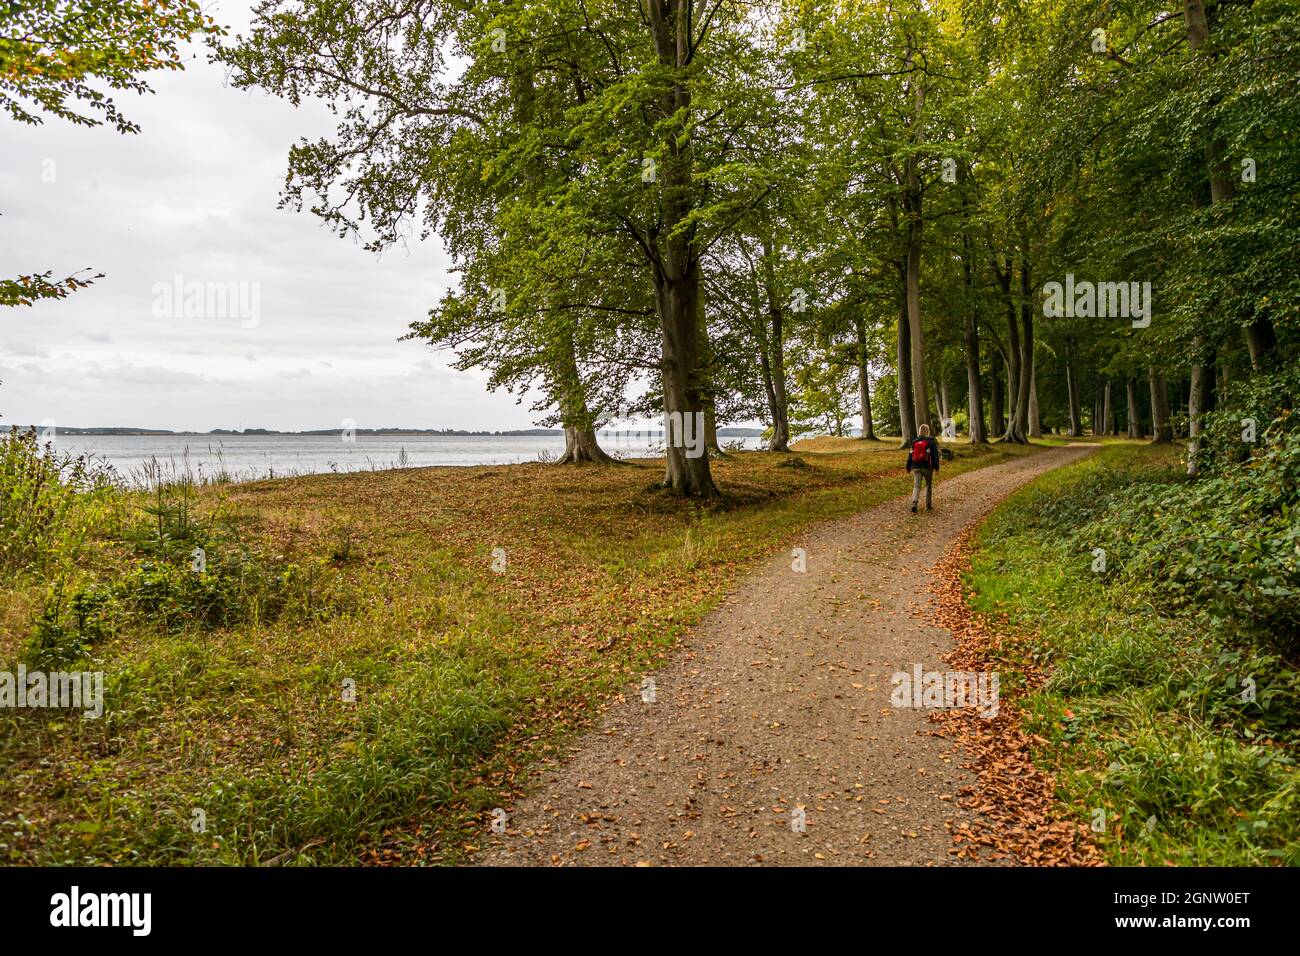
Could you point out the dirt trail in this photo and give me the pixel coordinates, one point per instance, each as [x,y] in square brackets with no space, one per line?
[778,700]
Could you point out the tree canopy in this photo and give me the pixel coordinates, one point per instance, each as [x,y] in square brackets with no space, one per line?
[1085,213]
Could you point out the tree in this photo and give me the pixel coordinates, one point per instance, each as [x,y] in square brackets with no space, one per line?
[479,162]
[750,205]
[53,56]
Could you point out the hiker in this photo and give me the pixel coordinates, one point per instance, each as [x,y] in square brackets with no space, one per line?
[923,462]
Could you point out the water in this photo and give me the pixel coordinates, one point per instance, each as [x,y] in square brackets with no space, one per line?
[250,457]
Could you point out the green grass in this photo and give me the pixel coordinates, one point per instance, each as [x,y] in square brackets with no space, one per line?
[1144,717]
[230,700]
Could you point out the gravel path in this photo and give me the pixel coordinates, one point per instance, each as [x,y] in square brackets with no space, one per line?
[777,703]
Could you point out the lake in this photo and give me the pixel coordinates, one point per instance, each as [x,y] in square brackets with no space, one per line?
[250,457]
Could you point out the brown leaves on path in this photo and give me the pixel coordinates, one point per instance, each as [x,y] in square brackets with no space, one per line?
[1018,817]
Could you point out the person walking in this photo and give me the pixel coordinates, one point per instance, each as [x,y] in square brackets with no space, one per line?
[923,463]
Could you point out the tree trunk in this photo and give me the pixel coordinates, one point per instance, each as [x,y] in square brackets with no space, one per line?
[974,394]
[774,344]
[864,392]
[781,403]
[780,433]
[975,429]
[907,421]
[864,382]
[776,403]
[687,469]
[1014,354]
[676,267]
[1261,339]
[1013,387]
[996,420]
[1134,418]
[971,341]
[920,396]
[1019,432]
[580,445]
[1161,430]
[1072,393]
[1221,190]
[912,200]
[711,446]
[1035,425]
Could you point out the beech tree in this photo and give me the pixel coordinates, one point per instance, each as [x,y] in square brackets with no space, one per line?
[767,210]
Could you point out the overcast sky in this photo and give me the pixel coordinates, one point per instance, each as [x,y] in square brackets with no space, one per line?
[194,194]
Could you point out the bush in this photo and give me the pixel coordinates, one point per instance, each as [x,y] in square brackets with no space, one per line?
[232,588]
[1263,403]
[1170,695]
[41,497]
[1228,542]
[68,631]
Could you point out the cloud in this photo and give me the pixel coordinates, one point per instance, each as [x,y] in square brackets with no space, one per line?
[195,194]
[131,374]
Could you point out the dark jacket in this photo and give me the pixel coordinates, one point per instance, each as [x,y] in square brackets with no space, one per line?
[932,446]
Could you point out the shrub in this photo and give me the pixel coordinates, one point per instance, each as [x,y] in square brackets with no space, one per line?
[1171,697]
[1229,541]
[42,518]
[241,587]
[67,631]
[1266,402]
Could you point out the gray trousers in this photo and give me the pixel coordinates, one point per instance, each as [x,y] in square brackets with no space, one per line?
[918,474]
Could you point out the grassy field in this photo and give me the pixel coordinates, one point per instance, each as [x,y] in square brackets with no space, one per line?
[1171,727]
[367,663]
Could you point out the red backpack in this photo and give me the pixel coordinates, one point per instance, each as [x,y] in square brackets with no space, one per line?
[921,452]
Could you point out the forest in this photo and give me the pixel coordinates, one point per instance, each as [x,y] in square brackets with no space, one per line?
[808,212]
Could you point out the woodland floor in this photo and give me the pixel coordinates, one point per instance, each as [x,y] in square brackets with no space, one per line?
[780,699]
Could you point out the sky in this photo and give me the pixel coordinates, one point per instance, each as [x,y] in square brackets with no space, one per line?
[308,334]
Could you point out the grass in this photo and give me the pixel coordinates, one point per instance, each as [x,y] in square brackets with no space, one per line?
[378,687]
[1145,717]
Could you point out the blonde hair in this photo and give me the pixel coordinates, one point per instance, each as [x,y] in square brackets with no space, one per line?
[924,431]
